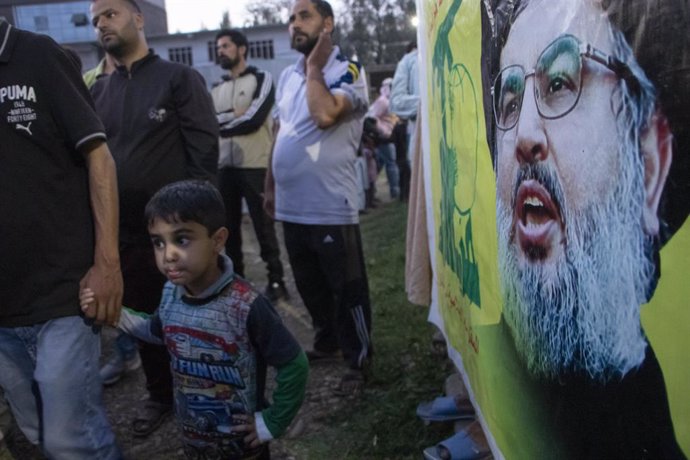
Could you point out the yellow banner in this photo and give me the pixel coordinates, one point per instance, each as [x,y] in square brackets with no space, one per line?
[557,169]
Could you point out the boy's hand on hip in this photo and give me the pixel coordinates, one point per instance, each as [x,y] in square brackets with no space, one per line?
[104,282]
[244,423]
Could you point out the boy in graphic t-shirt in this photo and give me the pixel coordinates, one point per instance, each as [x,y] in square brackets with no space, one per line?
[220,332]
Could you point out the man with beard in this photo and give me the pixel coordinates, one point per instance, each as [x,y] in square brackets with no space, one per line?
[243,102]
[162,128]
[321,103]
[578,251]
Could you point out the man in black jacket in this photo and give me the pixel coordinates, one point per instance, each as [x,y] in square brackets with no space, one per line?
[162,128]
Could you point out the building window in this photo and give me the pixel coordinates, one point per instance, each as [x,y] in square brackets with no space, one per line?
[65,22]
[262,49]
[41,23]
[80,20]
[213,52]
[183,55]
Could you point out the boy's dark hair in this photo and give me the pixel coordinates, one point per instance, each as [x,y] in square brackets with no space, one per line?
[235,36]
[188,201]
[324,8]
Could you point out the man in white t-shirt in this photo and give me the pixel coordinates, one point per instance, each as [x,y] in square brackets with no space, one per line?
[311,187]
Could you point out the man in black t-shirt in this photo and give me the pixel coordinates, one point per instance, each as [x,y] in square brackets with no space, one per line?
[58,199]
[162,128]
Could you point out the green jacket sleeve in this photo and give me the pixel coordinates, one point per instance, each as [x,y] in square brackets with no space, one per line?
[291,382]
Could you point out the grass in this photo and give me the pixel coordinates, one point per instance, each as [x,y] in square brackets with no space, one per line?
[381,424]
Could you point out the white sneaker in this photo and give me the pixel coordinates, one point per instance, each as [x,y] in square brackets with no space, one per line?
[116,367]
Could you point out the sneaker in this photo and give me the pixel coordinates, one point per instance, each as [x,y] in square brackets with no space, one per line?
[114,369]
[276,290]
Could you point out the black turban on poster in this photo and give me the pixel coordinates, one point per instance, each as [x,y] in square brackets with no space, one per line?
[658,31]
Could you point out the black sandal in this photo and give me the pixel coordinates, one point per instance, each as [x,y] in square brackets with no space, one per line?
[350,384]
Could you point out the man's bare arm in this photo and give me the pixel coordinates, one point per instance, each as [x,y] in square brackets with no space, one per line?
[104,277]
[325,108]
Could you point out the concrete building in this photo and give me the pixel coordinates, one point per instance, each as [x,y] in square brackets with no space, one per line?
[269,49]
[68,22]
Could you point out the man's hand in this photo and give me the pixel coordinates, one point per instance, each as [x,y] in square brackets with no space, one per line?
[325,107]
[244,423]
[105,284]
[319,55]
[104,278]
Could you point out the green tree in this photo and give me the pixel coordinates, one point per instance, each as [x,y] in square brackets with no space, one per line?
[377,31]
[225,22]
[268,12]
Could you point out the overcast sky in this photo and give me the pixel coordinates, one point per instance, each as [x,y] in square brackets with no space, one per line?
[190,16]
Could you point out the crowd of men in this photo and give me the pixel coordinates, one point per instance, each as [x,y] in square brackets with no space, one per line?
[83,155]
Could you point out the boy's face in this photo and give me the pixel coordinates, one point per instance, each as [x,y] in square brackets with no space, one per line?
[186,254]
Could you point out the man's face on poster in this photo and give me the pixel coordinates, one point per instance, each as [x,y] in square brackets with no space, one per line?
[575,207]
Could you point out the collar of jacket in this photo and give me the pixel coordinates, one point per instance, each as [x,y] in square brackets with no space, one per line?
[136,65]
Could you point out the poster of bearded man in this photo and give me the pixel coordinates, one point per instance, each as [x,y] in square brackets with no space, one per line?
[560,190]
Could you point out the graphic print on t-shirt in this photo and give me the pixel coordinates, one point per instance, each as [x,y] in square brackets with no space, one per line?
[16,106]
[209,387]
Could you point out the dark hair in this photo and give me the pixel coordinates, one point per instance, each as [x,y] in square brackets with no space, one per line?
[235,36]
[132,3]
[188,201]
[324,8]
[369,130]
[411,46]
[135,5]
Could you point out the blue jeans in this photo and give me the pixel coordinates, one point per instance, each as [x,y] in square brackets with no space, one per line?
[385,157]
[50,377]
[125,346]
